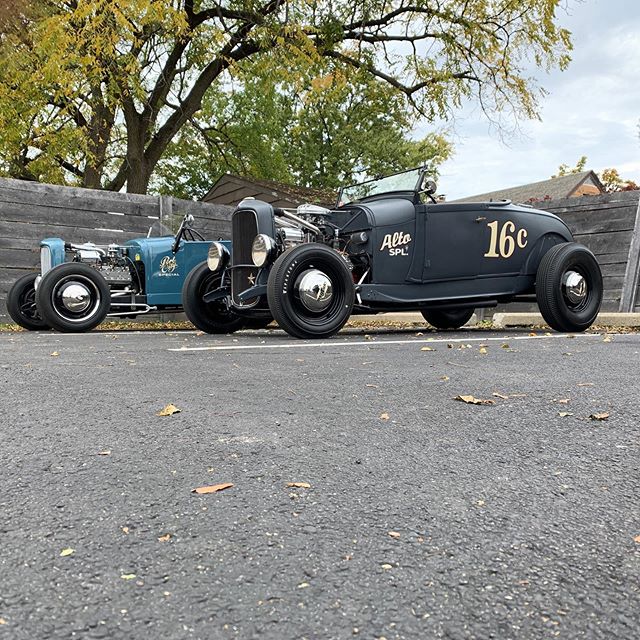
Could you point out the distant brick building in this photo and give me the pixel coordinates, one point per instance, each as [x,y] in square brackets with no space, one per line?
[231,189]
[570,186]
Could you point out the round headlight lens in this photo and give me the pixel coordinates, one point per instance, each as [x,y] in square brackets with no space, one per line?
[262,249]
[217,256]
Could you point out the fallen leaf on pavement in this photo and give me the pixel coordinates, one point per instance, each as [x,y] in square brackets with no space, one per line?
[299,485]
[445,378]
[637,539]
[505,345]
[2,621]
[394,534]
[564,414]
[386,566]
[384,416]
[427,349]
[169,410]
[128,576]
[165,538]
[303,585]
[606,338]
[373,386]
[599,416]
[55,353]
[125,529]
[472,400]
[106,452]
[214,488]
[500,395]
[482,350]
[67,552]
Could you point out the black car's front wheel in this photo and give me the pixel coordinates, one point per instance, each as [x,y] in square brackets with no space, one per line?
[310,291]
[210,317]
[73,297]
[21,304]
[569,287]
[449,319]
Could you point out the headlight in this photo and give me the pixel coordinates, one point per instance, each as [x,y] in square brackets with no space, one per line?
[262,249]
[217,257]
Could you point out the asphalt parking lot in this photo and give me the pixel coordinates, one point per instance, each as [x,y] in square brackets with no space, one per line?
[424,516]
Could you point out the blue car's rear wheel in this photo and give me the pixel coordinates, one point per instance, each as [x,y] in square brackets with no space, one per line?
[569,287]
[210,317]
[21,304]
[73,297]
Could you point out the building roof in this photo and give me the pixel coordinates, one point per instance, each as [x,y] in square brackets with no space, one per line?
[231,189]
[572,184]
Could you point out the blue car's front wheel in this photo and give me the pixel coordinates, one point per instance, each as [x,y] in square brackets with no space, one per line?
[210,317]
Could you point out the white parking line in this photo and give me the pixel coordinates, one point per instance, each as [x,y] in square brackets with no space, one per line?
[356,343]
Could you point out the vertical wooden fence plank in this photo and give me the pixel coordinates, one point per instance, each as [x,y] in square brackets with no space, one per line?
[632,271]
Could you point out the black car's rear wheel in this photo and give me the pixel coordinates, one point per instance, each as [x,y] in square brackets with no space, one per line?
[310,291]
[449,319]
[210,317]
[569,287]
[21,303]
[73,297]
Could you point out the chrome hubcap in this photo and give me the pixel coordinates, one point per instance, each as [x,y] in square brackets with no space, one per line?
[315,290]
[76,297]
[574,287]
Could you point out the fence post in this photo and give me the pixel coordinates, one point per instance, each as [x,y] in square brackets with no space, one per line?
[632,271]
[165,204]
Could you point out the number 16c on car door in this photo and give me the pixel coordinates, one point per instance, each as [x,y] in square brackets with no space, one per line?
[503,242]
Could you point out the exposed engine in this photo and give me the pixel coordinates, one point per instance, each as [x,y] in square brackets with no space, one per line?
[111,261]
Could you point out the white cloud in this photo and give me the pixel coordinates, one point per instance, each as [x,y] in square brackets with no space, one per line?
[592,109]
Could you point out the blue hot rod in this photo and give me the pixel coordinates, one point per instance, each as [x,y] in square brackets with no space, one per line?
[79,285]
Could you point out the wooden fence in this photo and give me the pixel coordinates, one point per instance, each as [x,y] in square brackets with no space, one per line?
[30,211]
[609,225]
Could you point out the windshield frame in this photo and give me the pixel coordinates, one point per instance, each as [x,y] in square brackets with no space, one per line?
[421,171]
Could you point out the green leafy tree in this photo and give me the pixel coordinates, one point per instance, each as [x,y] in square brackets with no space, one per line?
[565,169]
[99,90]
[334,131]
[610,178]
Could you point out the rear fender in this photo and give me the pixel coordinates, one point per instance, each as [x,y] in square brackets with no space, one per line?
[542,245]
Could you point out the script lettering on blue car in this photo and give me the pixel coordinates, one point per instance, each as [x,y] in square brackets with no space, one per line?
[167,266]
[396,243]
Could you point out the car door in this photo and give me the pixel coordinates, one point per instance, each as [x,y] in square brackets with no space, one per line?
[454,242]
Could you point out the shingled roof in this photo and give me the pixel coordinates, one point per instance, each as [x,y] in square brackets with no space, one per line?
[231,189]
[573,184]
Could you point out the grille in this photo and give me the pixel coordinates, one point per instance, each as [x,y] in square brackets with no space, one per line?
[244,227]
[45,260]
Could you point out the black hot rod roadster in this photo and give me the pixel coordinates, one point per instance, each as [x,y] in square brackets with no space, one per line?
[388,245]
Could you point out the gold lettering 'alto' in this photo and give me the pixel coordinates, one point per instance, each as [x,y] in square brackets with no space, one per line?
[396,243]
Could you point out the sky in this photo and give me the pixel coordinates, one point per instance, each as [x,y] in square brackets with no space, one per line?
[592,109]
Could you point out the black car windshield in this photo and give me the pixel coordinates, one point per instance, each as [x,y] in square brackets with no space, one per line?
[405,181]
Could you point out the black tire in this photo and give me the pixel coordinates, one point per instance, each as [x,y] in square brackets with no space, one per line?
[210,317]
[449,319]
[50,298]
[567,307]
[286,304]
[21,304]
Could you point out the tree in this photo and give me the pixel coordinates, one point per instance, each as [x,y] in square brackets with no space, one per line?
[612,181]
[100,89]
[565,170]
[339,129]
[610,178]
